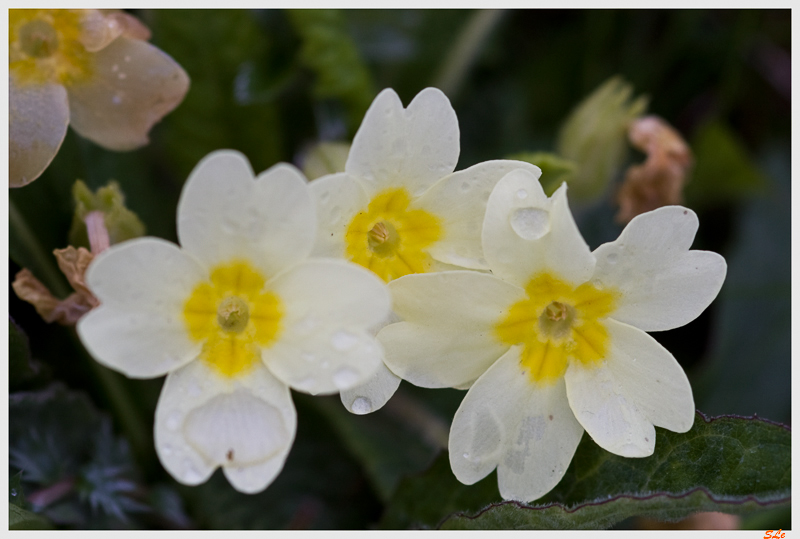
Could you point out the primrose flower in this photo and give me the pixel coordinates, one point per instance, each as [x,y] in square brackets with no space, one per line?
[554,339]
[398,208]
[89,68]
[235,317]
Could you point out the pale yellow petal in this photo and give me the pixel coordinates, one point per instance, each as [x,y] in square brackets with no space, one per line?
[134,85]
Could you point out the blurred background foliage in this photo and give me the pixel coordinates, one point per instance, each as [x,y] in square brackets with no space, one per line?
[274,83]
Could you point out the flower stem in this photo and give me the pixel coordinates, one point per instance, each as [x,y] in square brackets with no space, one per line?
[43,262]
[465,51]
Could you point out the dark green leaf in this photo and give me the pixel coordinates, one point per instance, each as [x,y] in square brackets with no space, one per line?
[21,366]
[329,50]
[728,464]
[747,367]
[386,446]
[20,519]
[15,493]
[723,171]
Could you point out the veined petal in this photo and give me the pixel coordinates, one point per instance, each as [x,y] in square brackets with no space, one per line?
[525,430]
[324,345]
[525,233]
[411,148]
[38,115]
[225,214]
[133,86]
[139,328]
[372,394]
[662,284]
[639,385]
[447,336]
[459,201]
[338,198]
[244,424]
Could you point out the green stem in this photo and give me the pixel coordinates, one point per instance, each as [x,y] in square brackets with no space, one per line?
[44,262]
[465,51]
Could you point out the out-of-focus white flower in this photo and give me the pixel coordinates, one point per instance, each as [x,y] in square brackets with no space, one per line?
[555,338]
[399,208]
[235,317]
[88,68]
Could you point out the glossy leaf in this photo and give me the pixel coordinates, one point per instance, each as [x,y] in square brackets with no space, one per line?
[728,464]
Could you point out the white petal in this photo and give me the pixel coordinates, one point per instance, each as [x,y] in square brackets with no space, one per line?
[38,115]
[244,424]
[325,344]
[459,200]
[446,338]
[663,284]
[139,328]
[506,421]
[224,214]
[372,394]
[133,86]
[338,199]
[525,233]
[639,385]
[411,148]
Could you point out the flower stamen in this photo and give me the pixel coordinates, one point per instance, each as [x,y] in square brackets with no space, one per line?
[233,314]
[38,39]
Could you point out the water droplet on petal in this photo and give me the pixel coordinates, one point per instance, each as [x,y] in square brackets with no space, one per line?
[530,223]
[166,450]
[345,378]
[173,421]
[361,406]
[308,356]
[465,186]
[522,194]
[342,340]
[611,258]
[190,473]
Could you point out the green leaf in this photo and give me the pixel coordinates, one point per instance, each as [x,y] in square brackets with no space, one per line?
[122,224]
[21,366]
[74,469]
[218,49]
[20,519]
[753,313]
[555,169]
[387,447]
[15,493]
[329,50]
[724,171]
[728,464]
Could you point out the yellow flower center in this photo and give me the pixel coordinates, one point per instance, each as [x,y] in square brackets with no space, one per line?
[391,239]
[44,46]
[233,316]
[555,324]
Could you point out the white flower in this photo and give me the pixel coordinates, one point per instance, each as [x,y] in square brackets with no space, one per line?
[399,208]
[92,69]
[235,317]
[555,338]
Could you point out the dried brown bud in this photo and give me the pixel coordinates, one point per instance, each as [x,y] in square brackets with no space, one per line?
[660,179]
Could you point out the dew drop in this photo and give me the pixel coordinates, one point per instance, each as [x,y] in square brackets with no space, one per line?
[122,76]
[361,406]
[465,186]
[114,68]
[522,194]
[166,450]
[612,258]
[345,378]
[116,100]
[530,223]
[342,340]
[325,196]
[305,384]
[335,213]
[173,421]
[308,356]
[127,58]
[13,492]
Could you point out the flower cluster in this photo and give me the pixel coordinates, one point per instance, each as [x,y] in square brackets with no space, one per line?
[472,279]
[92,69]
